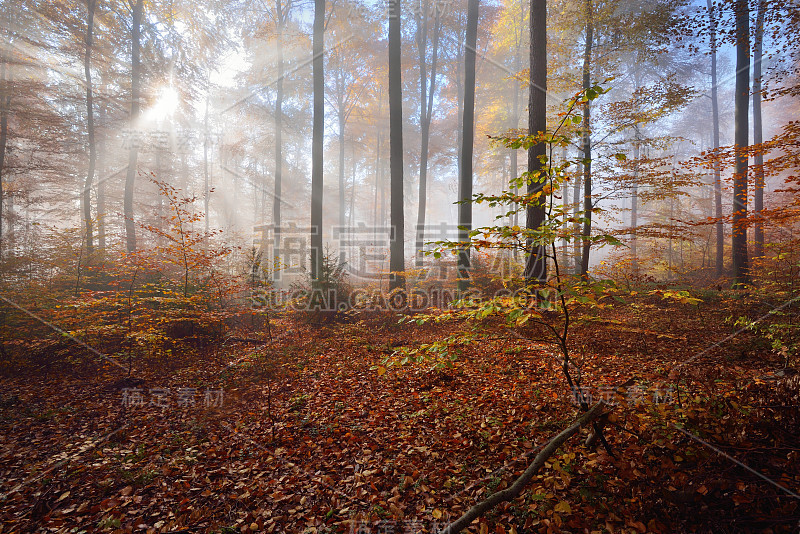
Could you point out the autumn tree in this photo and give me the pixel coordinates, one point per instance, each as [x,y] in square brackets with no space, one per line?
[397,236]
[137,7]
[536,263]
[741,139]
[317,139]
[427,90]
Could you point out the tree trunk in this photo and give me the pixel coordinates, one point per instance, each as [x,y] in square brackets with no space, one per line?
[317,142]
[635,204]
[341,119]
[741,140]
[276,201]
[396,246]
[206,179]
[587,143]
[5,103]
[352,209]
[536,264]
[130,180]
[467,138]
[576,228]
[426,110]
[101,199]
[378,164]
[720,252]
[758,191]
[87,67]
[459,101]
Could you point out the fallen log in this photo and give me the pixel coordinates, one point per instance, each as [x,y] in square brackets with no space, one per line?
[516,488]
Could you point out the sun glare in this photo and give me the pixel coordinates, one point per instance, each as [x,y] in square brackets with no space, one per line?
[166,104]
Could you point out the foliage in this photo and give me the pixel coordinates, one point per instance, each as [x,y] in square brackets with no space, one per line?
[150,304]
[327,298]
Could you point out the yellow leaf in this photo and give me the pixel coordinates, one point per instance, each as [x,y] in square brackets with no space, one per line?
[437,514]
[381,370]
[563,507]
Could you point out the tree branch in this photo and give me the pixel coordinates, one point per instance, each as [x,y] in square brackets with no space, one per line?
[515,489]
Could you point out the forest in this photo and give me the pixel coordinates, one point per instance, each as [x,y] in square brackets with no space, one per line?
[515,266]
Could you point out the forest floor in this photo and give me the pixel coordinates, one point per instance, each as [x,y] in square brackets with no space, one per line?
[301,434]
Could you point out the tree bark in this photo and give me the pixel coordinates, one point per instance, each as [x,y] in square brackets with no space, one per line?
[206,178]
[276,201]
[758,138]
[576,208]
[340,112]
[741,140]
[536,263]
[317,142]
[87,67]
[635,203]
[101,198]
[130,180]
[426,110]
[516,488]
[397,234]
[378,175]
[587,143]
[5,103]
[720,231]
[467,138]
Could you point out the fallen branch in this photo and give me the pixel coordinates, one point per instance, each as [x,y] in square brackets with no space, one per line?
[515,489]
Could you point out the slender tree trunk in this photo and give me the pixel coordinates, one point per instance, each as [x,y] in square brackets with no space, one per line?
[206,178]
[101,200]
[576,227]
[426,109]
[515,119]
[130,180]
[341,120]
[758,191]
[396,247]
[276,201]
[352,209]
[317,143]
[382,182]
[378,163]
[720,231]
[587,142]
[635,203]
[87,67]
[465,179]
[741,140]
[459,102]
[564,248]
[536,264]
[635,184]
[5,103]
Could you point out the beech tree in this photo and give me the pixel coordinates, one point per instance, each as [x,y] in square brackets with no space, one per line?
[87,66]
[536,263]
[137,7]
[397,235]
[467,140]
[741,139]
[318,63]
[426,93]
[712,33]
